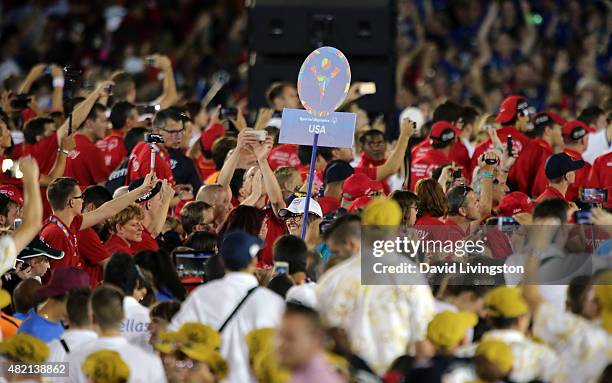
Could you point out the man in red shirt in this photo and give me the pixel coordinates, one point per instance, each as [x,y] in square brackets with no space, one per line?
[60,230]
[442,137]
[168,124]
[86,162]
[601,175]
[92,252]
[560,170]
[527,174]
[576,138]
[452,113]
[463,211]
[513,116]
[123,117]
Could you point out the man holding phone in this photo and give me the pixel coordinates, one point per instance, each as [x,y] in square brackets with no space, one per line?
[576,138]
[560,171]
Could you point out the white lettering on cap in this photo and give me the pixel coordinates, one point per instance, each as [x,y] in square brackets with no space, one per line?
[253,250]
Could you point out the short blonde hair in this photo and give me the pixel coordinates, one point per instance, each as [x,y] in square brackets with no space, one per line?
[284,173]
[124,216]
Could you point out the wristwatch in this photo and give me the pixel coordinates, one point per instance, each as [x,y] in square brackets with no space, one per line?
[63,151]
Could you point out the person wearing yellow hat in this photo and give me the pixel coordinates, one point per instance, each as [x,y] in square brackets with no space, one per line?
[190,354]
[23,349]
[447,332]
[262,356]
[105,366]
[493,361]
[508,315]
[381,318]
[8,324]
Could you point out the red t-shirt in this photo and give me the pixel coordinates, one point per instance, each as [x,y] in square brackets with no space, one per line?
[140,163]
[519,141]
[205,167]
[283,155]
[423,166]
[582,175]
[44,152]
[550,193]
[147,243]
[453,231]
[116,244]
[601,175]
[427,229]
[92,252]
[276,228]
[367,162]
[113,149]
[61,237]
[528,173]
[459,154]
[86,163]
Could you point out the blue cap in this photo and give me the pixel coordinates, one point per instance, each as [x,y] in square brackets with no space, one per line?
[560,164]
[238,249]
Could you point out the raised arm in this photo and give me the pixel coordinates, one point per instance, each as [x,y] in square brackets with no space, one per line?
[57,100]
[486,175]
[32,206]
[394,162]
[530,36]
[169,95]
[80,112]
[157,224]
[245,137]
[60,161]
[270,182]
[114,206]
[35,73]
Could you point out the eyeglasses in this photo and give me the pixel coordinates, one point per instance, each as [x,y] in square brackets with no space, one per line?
[174,132]
[466,190]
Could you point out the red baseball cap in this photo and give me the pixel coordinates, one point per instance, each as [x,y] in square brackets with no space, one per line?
[444,131]
[509,107]
[515,203]
[359,203]
[328,204]
[63,279]
[12,193]
[210,134]
[574,130]
[359,185]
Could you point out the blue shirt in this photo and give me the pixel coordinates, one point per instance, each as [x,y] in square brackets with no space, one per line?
[41,328]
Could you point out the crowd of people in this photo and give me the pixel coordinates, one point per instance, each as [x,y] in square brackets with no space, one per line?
[151,222]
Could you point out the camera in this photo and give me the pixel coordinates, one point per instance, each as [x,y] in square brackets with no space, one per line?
[147,109]
[149,60]
[152,138]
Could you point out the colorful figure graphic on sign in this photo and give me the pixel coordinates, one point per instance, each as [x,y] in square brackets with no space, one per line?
[324,80]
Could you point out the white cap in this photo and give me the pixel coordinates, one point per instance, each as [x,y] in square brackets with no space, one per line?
[304,295]
[298,205]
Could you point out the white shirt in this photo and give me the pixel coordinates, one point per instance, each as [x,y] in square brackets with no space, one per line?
[380,320]
[214,301]
[75,340]
[532,361]
[135,325]
[8,254]
[598,145]
[584,348]
[144,367]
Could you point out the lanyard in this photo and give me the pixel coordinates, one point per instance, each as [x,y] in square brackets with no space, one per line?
[65,230]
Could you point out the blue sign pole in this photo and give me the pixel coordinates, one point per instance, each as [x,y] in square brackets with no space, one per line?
[311,174]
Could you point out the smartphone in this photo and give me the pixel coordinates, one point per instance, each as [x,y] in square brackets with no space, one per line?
[594,195]
[190,264]
[260,134]
[281,268]
[20,102]
[150,60]
[583,217]
[457,174]
[367,88]
[506,224]
[509,145]
[148,109]
[109,89]
[47,70]
[17,223]
[228,113]
[490,161]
